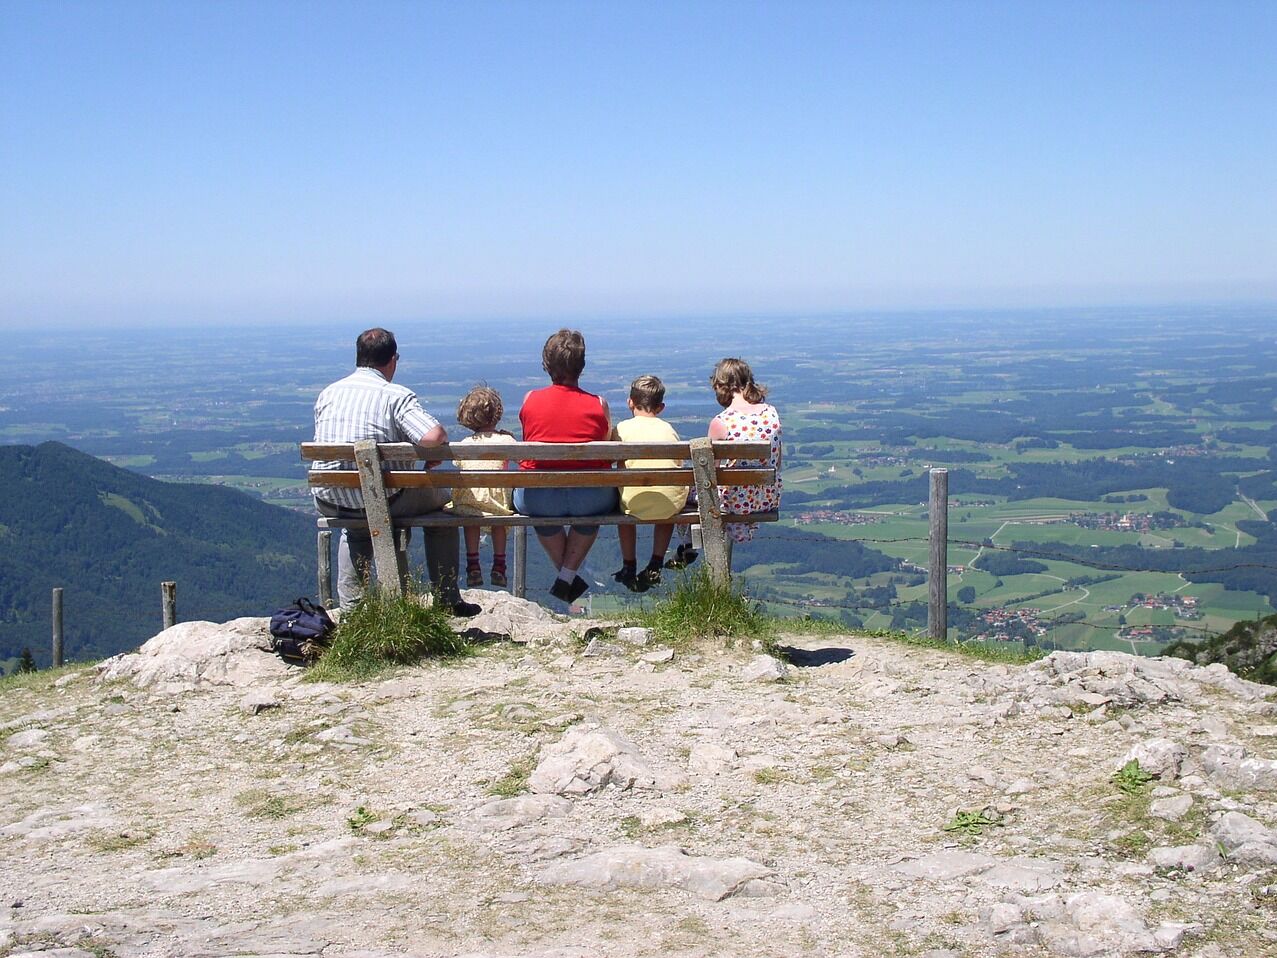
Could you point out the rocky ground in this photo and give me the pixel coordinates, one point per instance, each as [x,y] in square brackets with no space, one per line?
[552,798]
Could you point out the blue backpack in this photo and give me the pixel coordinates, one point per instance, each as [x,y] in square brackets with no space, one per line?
[300,632]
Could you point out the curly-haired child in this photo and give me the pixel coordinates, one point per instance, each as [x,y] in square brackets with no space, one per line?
[480,411]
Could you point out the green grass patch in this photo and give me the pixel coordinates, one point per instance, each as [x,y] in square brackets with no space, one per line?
[1131,779]
[514,781]
[973,822]
[699,608]
[381,631]
[40,681]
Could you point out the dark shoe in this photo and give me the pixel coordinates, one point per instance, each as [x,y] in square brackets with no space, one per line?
[497,578]
[684,556]
[462,609]
[578,589]
[474,578]
[649,578]
[629,578]
[562,590]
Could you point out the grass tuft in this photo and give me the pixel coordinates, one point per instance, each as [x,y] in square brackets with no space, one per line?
[1131,778]
[514,781]
[974,821]
[381,631]
[698,608]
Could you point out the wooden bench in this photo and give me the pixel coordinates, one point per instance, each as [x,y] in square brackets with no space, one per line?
[390,547]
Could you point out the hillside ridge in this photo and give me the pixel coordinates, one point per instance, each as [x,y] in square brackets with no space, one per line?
[108,536]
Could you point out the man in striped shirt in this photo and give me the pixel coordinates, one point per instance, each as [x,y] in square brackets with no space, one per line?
[368,405]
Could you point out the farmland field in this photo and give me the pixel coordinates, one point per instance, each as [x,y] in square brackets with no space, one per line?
[1111,471]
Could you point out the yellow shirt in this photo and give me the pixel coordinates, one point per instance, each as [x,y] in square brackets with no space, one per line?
[650,502]
[480,501]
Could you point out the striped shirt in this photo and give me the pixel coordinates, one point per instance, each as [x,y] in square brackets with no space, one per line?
[365,405]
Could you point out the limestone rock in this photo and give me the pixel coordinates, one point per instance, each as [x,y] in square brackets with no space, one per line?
[510,813]
[589,758]
[1024,875]
[599,648]
[504,616]
[946,866]
[194,654]
[764,668]
[657,656]
[1245,839]
[1171,809]
[710,758]
[632,866]
[258,701]
[1228,766]
[28,738]
[1189,858]
[633,635]
[1158,756]
[1096,924]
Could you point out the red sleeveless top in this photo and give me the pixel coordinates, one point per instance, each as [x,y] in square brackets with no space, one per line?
[563,414]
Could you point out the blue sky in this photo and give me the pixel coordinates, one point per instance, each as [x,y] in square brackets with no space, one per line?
[216,162]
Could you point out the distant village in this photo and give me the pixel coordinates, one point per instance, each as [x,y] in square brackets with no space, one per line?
[838,517]
[1125,521]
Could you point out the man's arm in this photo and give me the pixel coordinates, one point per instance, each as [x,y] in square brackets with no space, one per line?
[434,436]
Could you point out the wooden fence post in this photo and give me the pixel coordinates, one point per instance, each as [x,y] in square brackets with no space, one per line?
[385,553]
[57,628]
[520,561]
[718,559]
[168,596]
[325,555]
[938,570]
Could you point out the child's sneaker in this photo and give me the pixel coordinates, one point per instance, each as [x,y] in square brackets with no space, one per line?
[684,556]
[630,579]
[497,578]
[474,577]
[649,578]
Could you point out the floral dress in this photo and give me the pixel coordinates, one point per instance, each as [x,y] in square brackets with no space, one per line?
[761,424]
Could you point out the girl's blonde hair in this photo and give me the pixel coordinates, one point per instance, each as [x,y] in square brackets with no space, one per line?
[732,376]
[480,410]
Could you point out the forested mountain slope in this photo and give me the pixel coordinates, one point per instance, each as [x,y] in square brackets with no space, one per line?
[109,536]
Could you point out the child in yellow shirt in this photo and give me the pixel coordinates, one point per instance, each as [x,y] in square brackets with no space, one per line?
[647,402]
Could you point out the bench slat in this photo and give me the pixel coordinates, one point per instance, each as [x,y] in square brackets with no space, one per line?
[447,519]
[544,451]
[541,478]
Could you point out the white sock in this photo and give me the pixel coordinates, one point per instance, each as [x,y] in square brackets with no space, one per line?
[567,575]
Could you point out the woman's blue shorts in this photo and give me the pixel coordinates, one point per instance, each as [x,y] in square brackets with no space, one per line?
[590,501]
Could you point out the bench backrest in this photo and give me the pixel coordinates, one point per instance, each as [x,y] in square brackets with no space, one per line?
[715,452]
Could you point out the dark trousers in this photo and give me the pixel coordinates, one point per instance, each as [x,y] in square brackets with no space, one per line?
[354,549]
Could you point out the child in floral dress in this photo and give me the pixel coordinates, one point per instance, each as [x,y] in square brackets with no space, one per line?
[747,417]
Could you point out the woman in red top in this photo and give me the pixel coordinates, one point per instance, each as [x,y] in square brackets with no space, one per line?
[564,412]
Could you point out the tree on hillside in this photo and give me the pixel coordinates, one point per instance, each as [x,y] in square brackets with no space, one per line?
[26,662]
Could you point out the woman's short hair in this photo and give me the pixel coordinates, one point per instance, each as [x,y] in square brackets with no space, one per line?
[732,376]
[563,356]
[480,409]
[375,347]
[647,393]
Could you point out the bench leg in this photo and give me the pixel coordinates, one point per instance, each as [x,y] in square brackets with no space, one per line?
[324,546]
[520,562]
[718,556]
[387,557]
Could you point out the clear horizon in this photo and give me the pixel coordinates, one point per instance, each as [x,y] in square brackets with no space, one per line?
[238,163]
